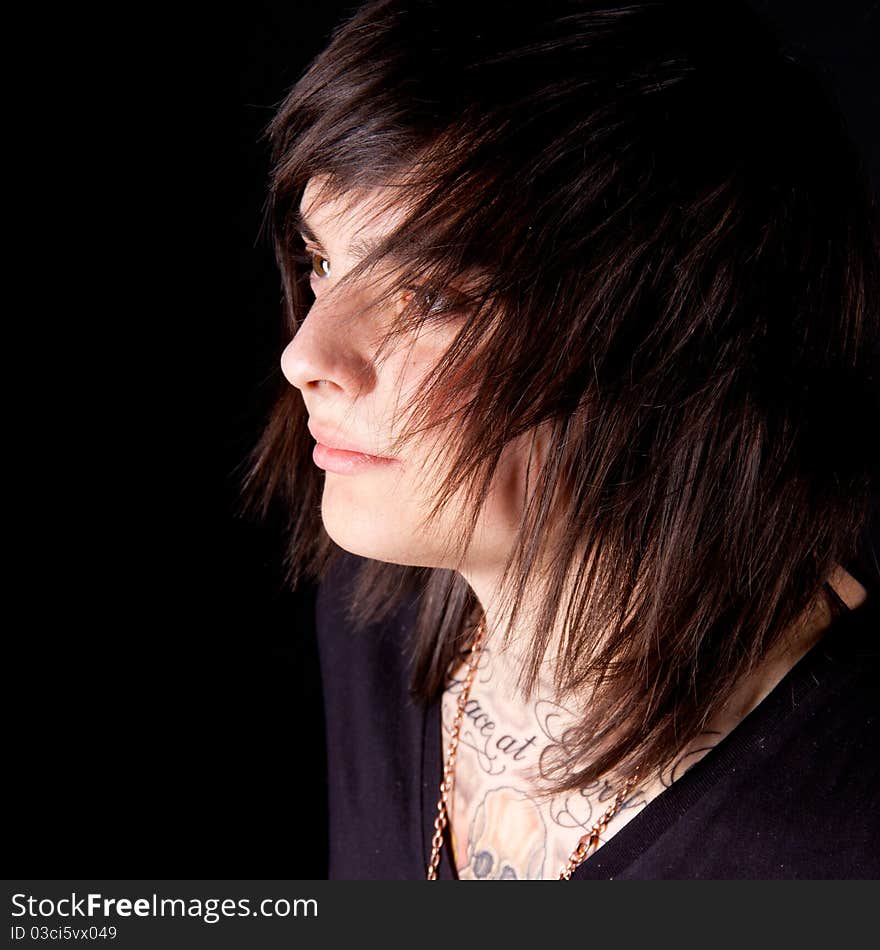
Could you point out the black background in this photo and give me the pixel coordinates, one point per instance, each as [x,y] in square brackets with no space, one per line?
[163,701]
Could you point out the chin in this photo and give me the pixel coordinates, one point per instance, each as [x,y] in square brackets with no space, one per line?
[375,533]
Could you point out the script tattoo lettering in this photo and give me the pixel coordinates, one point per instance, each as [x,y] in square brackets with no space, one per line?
[501,829]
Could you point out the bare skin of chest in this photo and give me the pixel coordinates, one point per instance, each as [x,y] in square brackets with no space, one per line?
[500,827]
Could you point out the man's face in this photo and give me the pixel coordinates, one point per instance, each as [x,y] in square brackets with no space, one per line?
[378,509]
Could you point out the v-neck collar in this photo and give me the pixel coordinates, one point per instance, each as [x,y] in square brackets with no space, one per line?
[644,828]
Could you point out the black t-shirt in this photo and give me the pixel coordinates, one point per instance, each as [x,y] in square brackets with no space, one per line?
[791,792]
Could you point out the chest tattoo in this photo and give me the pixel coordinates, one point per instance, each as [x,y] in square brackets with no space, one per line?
[501,826]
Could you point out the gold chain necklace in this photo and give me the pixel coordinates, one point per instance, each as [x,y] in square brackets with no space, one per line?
[587,843]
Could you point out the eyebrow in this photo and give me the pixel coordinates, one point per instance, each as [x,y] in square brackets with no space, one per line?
[358,249]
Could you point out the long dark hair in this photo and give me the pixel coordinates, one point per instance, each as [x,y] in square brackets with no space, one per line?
[672,261]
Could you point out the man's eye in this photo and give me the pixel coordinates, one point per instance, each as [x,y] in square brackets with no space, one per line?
[320,264]
[432,302]
[314,262]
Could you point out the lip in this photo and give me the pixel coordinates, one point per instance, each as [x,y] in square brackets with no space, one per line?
[346,463]
[340,456]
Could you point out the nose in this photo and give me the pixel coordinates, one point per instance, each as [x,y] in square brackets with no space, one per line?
[324,352]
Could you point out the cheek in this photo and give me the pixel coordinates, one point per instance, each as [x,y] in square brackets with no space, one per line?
[412,365]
